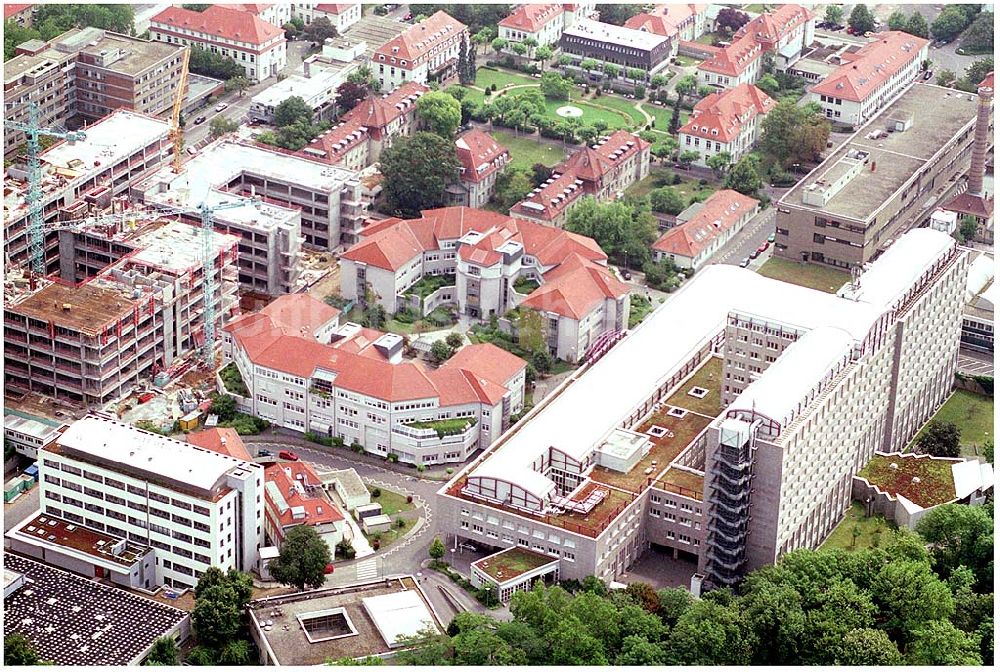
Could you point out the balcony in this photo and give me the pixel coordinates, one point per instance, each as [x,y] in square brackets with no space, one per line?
[444,433]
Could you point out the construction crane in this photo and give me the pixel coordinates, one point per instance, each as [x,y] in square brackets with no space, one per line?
[207,215]
[175,116]
[36,241]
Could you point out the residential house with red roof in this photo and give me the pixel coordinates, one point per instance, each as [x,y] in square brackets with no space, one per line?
[681,22]
[489,255]
[18,13]
[869,78]
[342,15]
[704,228]
[542,23]
[784,33]
[424,52]
[294,495]
[358,387]
[481,159]
[602,170]
[222,440]
[727,121]
[368,128]
[241,36]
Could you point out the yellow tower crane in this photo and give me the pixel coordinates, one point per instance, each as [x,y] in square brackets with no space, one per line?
[175,116]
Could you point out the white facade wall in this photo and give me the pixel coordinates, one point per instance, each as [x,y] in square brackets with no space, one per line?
[549,33]
[259,61]
[706,147]
[749,76]
[190,534]
[308,12]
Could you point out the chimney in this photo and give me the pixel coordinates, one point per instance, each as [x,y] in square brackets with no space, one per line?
[980,145]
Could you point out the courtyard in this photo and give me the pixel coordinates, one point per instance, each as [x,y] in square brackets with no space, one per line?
[824,278]
[973,415]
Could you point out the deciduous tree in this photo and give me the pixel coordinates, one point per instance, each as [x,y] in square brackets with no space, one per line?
[164,652]
[441,112]
[861,20]
[416,171]
[303,559]
[744,177]
[941,439]
[938,642]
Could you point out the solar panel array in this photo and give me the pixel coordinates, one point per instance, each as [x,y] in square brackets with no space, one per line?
[75,621]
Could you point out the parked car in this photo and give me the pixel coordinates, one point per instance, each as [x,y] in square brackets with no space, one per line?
[264,453]
[928,74]
[288,455]
[221,106]
[763,247]
[191,150]
[770,238]
[200,119]
[408,17]
[745,262]
[627,275]
[755,254]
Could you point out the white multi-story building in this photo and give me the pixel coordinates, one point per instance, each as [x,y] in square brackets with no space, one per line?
[427,51]
[542,23]
[870,78]
[481,160]
[805,387]
[195,507]
[356,386]
[241,36]
[342,15]
[728,121]
[683,22]
[499,263]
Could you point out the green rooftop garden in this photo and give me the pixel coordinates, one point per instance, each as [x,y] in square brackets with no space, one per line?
[824,278]
[524,285]
[512,563]
[429,284]
[446,427]
[936,484]
[233,381]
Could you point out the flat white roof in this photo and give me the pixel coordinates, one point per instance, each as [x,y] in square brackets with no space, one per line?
[980,276]
[606,32]
[223,160]
[397,615]
[109,140]
[137,453]
[311,89]
[178,246]
[605,395]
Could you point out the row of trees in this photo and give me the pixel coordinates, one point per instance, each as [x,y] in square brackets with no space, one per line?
[954,19]
[891,605]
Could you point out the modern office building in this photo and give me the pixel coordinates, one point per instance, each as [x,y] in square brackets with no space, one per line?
[424,52]
[784,33]
[316,86]
[869,78]
[482,160]
[727,427]
[353,383]
[703,228]
[196,508]
[625,47]
[729,121]
[118,150]
[86,74]
[129,303]
[604,170]
[885,180]
[243,37]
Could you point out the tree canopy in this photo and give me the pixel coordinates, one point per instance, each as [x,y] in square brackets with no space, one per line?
[416,171]
[303,559]
[792,134]
[18,650]
[209,64]
[941,439]
[624,229]
[861,19]
[219,608]
[618,14]
[440,112]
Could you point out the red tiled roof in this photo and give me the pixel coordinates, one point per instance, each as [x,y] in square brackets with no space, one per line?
[735,58]
[553,196]
[720,116]
[970,204]
[379,112]
[299,313]
[252,7]
[576,292]
[418,40]
[870,66]
[770,28]
[478,153]
[361,343]
[221,21]
[223,440]
[337,8]
[720,212]
[987,82]
[664,19]
[531,18]
[487,361]
[318,509]
[10,10]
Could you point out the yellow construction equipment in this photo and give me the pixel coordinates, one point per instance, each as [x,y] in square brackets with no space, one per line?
[175,116]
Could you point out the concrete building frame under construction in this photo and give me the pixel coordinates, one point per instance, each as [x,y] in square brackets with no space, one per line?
[91,337]
[734,440]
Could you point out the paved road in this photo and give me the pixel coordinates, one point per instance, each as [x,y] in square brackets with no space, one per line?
[747,240]
[24,506]
[975,363]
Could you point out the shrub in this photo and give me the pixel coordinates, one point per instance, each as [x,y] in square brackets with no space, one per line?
[337,441]
[702,182]
[346,550]
[640,91]
[409,499]
[677,179]
[393,458]
[376,492]
[400,523]
[421,468]
[449,470]
[357,447]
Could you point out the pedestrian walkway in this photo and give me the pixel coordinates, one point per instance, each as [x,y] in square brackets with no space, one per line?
[367,570]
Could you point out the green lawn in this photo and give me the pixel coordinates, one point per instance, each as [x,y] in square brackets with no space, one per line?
[623,105]
[687,61]
[712,38]
[662,116]
[392,502]
[923,481]
[660,176]
[843,537]
[823,278]
[527,151]
[488,76]
[973,413]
